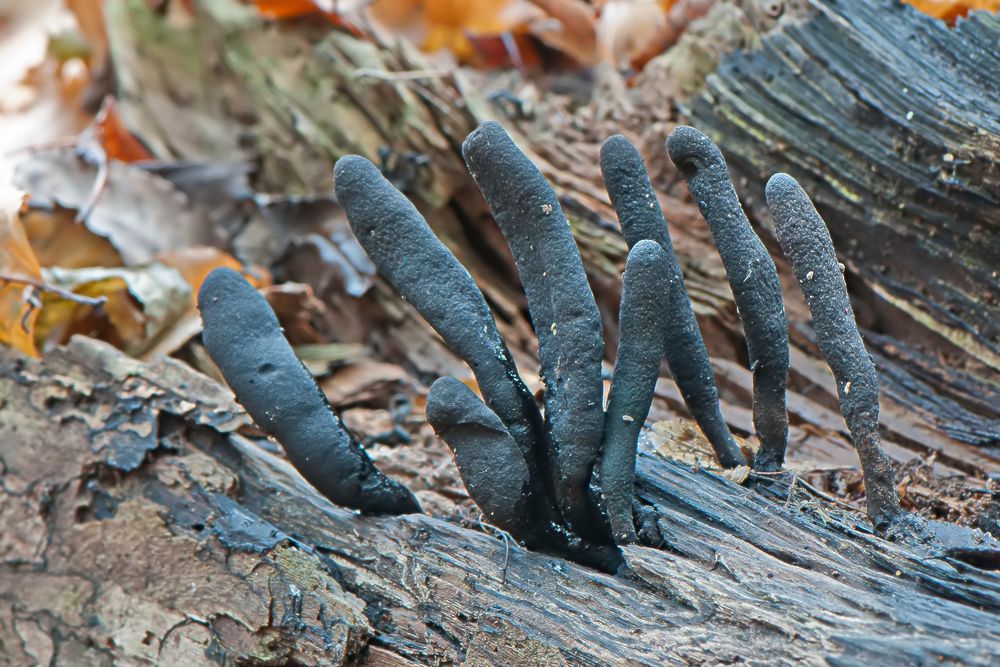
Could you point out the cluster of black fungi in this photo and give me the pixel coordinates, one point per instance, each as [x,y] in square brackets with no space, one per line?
[562,480]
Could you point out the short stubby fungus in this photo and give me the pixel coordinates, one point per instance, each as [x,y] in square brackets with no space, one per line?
[244,339]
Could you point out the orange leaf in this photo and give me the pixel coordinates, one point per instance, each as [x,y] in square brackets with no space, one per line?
[110,133]
[574,33]
[195,263]
[59,240]
[949,10]
[447,24]
[278,10]
[17,260]
[285,9]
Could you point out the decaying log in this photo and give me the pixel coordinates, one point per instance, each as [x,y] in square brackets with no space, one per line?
[140,527]
[889,120]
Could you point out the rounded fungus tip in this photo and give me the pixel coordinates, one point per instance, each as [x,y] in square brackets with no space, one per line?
[780,185]
[488,130]
[690,148]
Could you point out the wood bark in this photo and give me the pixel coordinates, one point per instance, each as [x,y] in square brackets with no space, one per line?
[143,525]
[888,119]
[142,528]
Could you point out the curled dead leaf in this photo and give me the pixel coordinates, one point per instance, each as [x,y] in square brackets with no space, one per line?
[141,214]
[142,303]
[59,240]
[17,260]
[682,440]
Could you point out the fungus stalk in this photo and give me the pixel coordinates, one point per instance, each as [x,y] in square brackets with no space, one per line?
[806,242]
[641,218]
[753,280]
[563,312]
[642,322]
[425,273]
[243,337]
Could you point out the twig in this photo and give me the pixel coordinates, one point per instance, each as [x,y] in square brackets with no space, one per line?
[412,75]
[721,564]
[507,539]
[798,480]
[100,184]
[95,301]
[791,491]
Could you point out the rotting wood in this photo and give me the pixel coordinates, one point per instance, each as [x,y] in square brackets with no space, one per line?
[888,119]
[176,539]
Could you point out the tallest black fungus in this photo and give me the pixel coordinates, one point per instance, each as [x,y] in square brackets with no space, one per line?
[563,311]
[753,280]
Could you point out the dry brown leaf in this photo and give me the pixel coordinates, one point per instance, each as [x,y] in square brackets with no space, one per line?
[682,440]
[569,27]
[140,213]
[143,302]
[195,263]
[367,382]
[17,260]
[631,30]
[59,240]
[299,311]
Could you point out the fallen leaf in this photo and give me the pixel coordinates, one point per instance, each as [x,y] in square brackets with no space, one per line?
[949,10]
[142,303]
[140,213]
[312,238]
[569,26]
[450,25]
[59,240]
[682,440]
[629,31]
[299,312]
[195,263]
[108,132]
[17,260]
[344,17]
[367,382]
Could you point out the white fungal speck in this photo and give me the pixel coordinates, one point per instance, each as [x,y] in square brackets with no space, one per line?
[810,275]
[553,328]
[842,267]
[847,389]
[627,419]
[546,208]
[909,115]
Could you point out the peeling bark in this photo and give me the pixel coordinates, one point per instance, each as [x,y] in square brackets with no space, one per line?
[207,547]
